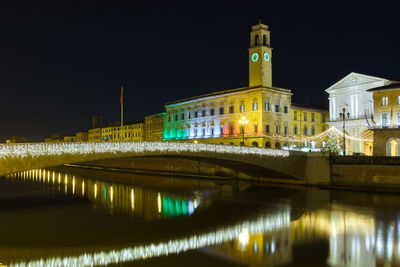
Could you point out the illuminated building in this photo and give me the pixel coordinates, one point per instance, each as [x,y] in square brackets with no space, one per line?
[154,126]
[81,137]
[94,135]
[308,121]
[214,117]
[130,132]
[387,117]
[352,93]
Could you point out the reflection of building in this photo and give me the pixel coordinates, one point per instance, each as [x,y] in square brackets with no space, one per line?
[352,93]
[252,113]
[119,198]
[154,127]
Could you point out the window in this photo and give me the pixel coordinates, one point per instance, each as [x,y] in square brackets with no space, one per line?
[385,119]
[277,129]
[384,101]
[285,109]
[212,112]
[267,128]
[295,130]
[323,128]
[398,100]
[212,131]
[182,116]
[241,107]
[221,111]
[398,119]
[169,118]
[196,114]
[285,130]
[264,39]
[203,113]
[189,115]
[305,130]
[267,106]
[204,131]
[231,130]
[295,115]
[222,130]
[313,130]
[195,132]
[255,129]
[323,117]
[176,116]
[276,107]
[231,109]
[305,116]
[312,117]
[255,106]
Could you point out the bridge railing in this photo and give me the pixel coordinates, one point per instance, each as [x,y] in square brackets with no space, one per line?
[86,148]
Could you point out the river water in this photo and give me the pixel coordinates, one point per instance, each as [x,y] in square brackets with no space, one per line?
[70,216]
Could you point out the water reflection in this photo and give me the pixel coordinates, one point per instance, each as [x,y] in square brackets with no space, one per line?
[329,234]
[134,200]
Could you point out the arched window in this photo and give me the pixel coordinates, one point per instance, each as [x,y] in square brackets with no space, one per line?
[278,145]
[393,147]
[268,144]
[255,144]
[264,39]
[256,40]
[255,106]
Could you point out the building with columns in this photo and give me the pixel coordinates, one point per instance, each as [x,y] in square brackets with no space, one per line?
[351,94]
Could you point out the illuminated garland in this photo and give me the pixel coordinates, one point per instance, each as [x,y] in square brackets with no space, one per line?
[322,136]
[261,225]
[86,148]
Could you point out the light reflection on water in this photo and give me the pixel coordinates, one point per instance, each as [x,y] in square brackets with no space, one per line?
[117,197]
[351,236]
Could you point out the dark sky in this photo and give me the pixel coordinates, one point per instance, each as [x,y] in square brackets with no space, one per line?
[61,62]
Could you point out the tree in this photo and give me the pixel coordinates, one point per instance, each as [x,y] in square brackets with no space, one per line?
[333,145]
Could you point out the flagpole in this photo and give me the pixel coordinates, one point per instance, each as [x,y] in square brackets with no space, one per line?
[122,111]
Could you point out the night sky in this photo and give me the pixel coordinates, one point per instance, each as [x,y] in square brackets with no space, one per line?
[63,62]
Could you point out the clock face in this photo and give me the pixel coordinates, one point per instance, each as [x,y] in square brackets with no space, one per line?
[267,56]
[254,57]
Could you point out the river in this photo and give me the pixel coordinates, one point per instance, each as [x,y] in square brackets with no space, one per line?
[69,216]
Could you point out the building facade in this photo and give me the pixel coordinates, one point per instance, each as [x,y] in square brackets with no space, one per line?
[95,135]
[129,132]
[154,127]
[248,115]
[387,120]
[351,94]
[306,121]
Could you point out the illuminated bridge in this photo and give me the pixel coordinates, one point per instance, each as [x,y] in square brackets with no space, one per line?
[304,167]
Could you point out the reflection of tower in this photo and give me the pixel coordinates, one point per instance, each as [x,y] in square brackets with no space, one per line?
[97,122]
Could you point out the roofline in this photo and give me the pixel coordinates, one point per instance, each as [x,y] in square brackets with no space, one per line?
[389,87]
[240,89]
[309,108]
[352,73]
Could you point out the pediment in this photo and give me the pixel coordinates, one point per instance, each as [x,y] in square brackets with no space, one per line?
[354,79]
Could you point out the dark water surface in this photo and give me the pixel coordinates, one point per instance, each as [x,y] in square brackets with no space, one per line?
[67,216]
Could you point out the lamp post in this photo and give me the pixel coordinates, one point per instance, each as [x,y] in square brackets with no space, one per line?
[243,122]
[343,116]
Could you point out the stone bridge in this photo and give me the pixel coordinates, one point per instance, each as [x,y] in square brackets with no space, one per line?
[307,168]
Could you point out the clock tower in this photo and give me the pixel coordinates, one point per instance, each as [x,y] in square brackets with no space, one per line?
[260,55]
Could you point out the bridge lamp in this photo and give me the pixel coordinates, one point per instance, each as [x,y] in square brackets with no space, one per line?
[195,141]
[242,123]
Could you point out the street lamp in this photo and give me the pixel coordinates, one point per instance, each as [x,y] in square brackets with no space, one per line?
[242,123]
[343,116]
